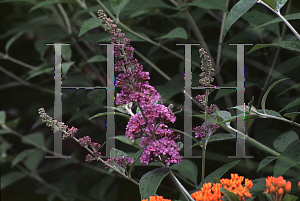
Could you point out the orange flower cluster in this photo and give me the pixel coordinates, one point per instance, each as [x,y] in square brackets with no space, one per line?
[235,186]
[207,193]
[276,187]
[156,198]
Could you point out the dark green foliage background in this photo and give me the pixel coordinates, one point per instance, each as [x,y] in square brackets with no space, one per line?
[23,92]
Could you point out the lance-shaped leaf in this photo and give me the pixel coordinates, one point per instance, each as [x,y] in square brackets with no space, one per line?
[263,102]
[290,45]
[150,181]
[237,11]
[275,4]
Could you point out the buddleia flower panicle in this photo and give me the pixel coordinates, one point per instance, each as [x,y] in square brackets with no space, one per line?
[69,133]
[207,69]
[56,126]
[150,123]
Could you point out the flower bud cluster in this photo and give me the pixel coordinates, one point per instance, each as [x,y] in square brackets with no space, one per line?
[56,126]
[122,161]
[207,69]
[201,132]
[149,122]
[277,186]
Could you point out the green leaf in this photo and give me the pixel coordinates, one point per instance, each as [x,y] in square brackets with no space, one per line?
[263,102]
[47,3]
[265,162]
[65,66]
[118,5]
[2,117]
[21,156]
[284,68]
[34,73]
[3,131]
[178,32]
[291,115]
[181,132]
[255,18]
[250,104]
[230,194]
[116,153]
[106,113]
[123,139]
[211,4]
[287,159]
[294,103]
[290,88]
[221,136]
[290,45]
[275,4]
[294,16]
[238,10]
[150,181]
[259,185]
[135,159]
[11,177]
[289,197]
[12,40]
[270,112]
[96,58]
[171,88]
[89,24]
[34,138]
[284,140]
[9,1]
[219,172]
[66,52]
[225,115]
[187,169]
[34,159]
[180,145]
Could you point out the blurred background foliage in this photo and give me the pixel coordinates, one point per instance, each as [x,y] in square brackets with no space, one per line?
[154,27]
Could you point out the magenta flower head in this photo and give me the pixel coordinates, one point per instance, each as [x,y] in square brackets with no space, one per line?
[201,132]
[151,118]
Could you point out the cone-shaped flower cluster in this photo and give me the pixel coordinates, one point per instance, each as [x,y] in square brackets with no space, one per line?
[277,186]
[150,121]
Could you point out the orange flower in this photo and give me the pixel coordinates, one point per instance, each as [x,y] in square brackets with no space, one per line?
[276,187]
[156,198]
[208,193]
[235,186]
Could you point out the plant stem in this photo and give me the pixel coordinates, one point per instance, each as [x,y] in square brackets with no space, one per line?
[142,37]
[219,52]
[277,12]
[182,190]
[275,58]
[6,56]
